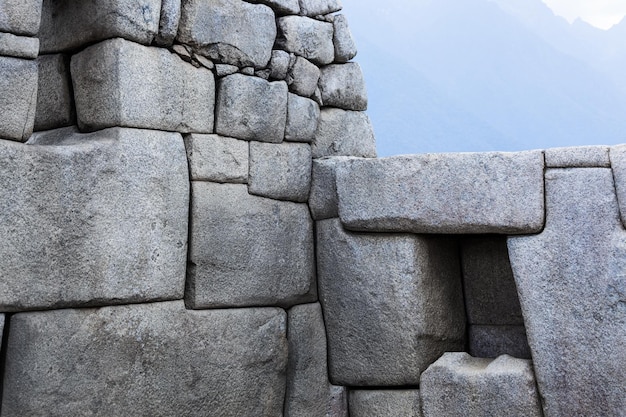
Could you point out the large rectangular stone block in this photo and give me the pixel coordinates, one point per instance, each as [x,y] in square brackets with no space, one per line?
[55,101]
[92,219]
[217,158]
[247,250]
[385,403]
[21,17]
[122,83]
[146,360]
[490,192]
[392,304]
[18,100]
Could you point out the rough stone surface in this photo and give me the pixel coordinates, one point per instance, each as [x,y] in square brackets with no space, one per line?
[344,133]
[18,46]
[345,47]
[618,165]
[21,17]
[92,219]
[319,7]
[460,385]
[281,6]
[392,304]
[55,106]
[223,70]
[302,118]
[490,192]
[489,286]
[168,22]
[493,341]
[343,86]
[281,171]
[309,38]
[229,31]
[279,64]
[323,196]
[18,100]
[338,402]
[303,77]
[146,360]
[217,158]
[69,24]
[578,157]
[122,83]
[385,403]
[251,108]
[247,250]
[572,291]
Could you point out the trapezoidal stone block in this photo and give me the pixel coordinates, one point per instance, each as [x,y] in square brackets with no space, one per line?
[247,250]
[122,83]
[92,219]
[148,359]
[306,37]
[490,192]
[55,102]
[572,291]
[343,86]
[385,403]
[18,100]
[392,303]
[344,133]
[217,158]
[21,17]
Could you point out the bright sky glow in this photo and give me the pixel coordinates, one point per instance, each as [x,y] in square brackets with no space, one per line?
[599,13]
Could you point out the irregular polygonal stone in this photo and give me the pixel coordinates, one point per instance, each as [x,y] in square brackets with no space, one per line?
[303,77]
[323,196]
[578,157]
[92,219]
[343,86]
[302,118]
[345,47]
[344,133]
[319,7]
[122,83]
[309,38]
[18,100]
[572,291]
[385,403]
[229,31]
[460,385]
[618,165]
[251,108]
[392,304]
[279,64]
[223,70]
[490,192]
[489,286]
[168,22]
[69,24]
[21,17]
[18,46]
[55,106]
[281,6]
[150,359]
[217,158]
[493,341]
[280,171]
[247,250]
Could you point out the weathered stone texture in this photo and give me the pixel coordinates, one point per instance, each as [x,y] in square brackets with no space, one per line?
[572,291]
[343,86]
[392,303]
[168,22]
[92,219]
[303,77]
[385,403]
[323,196]
[344,133]
[578,157]
[345,47]
[460,385]
[217,158]
[309,38]
[69,24]
[247,250]
[21,17]
[281,6]
[18,46]
[18,100]
[489,192]
[146,360]
[319,7]
[493,341]
[55,105]
[229,31]
[302,118]
[251,108]
[279,64]
[618,165]
[122,83]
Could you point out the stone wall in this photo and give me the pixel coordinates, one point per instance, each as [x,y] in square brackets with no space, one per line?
[193,222]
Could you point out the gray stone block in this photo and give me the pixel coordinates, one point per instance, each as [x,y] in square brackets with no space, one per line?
[251,108]
[344,133]
[222,70]
[338,402]
[247,250]
[69,24]
[573,295]
[55,105]
[343,86]
[385,403]
[306,37]
[319,7]
[490,192]
[493,341]
[460,385]
[18,101]
[122,83]
[488,283]
[617,156]
[345,47]
[279,64]
[323,196]
[229,31]
[392,304]
[281,171]
[146,360]
[217,158]
[21,17]
[303,77]
[18,46]
[281,7]
[168,22]
[578,157]
[92,219]
[302,118]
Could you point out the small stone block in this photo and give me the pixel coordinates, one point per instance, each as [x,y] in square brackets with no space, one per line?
[55,101]
[343,86]
[344,133]
[18,100]
[18,46]
[306,37]
[279,64]
[217,158]
[168,22]
[385,403]
[21,17]
[345,47]
[319,7]
[323,200]
[302,119]
[303,77]
[578,157]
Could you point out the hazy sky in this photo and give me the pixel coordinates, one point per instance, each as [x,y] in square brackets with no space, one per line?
[600,13]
